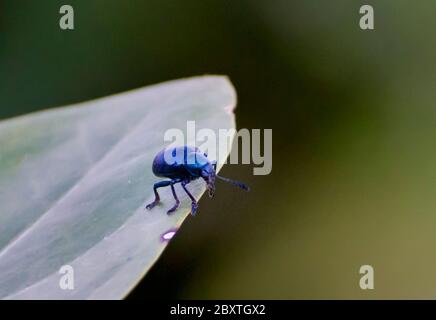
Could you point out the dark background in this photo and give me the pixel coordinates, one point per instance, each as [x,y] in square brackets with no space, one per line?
[353,117]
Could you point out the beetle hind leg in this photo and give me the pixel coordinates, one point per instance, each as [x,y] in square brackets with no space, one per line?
[174,208]
[156,194]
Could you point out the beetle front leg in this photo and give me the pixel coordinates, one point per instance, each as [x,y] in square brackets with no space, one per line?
[156,195]
[194,204]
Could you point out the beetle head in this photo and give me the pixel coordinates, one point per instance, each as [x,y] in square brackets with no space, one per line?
[208,174]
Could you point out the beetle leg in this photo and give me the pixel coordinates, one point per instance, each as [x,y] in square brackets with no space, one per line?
[156,195]
[175,197]
[194,205]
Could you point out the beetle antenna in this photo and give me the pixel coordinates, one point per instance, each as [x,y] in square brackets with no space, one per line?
[235,183]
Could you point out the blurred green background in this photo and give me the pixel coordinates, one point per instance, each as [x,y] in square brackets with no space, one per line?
[353,116]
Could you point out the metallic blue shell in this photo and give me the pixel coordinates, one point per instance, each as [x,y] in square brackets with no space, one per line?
[187,163]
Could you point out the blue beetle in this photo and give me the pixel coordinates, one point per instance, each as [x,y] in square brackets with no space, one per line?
[188,164]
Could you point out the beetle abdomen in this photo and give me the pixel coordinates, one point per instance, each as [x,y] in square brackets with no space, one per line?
[174,166]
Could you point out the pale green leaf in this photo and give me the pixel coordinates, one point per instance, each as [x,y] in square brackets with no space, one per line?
[74,182]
